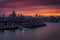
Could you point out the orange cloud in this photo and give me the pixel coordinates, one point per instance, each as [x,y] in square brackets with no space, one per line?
[33,10]
[45,12]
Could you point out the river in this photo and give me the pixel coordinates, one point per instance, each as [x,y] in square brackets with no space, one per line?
[49,32]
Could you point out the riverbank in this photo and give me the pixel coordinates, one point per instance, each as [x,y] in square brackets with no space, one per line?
[8,28]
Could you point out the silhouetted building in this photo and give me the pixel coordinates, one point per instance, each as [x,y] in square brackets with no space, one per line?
[3,16]
[13,15]
[36,15]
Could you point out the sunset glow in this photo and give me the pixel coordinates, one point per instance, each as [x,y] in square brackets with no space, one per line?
[30,7]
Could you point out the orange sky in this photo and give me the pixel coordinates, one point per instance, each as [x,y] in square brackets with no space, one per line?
[33,10]
[30,7]
[44,12]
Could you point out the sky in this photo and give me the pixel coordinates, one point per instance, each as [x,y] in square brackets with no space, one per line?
[30,7]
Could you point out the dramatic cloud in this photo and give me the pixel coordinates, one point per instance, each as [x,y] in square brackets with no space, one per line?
[16,3]
[30,6]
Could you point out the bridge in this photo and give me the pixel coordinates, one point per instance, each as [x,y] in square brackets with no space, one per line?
[12,23]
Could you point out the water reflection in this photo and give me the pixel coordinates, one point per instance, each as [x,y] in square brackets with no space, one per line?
[1,31]
[49,32]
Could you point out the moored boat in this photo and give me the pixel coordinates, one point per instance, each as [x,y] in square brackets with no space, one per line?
[33,24]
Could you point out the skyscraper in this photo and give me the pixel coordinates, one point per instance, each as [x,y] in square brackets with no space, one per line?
[13,15]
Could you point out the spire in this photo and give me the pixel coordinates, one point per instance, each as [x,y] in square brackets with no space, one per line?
[14,12]
[36,15]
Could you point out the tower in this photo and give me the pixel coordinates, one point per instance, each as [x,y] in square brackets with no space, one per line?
[13,15]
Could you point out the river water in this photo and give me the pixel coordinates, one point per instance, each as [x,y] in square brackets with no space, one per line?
[49,32]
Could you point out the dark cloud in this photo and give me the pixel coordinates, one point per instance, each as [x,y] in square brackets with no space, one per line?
[27,5]
[20,3]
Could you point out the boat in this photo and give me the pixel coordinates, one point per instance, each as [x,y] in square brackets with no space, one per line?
[33,24]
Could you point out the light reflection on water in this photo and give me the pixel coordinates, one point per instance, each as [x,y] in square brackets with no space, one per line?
[49,32]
